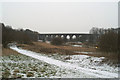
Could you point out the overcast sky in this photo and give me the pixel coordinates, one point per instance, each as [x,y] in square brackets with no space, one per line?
[59,16]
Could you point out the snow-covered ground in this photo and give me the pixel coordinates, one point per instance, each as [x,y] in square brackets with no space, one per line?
[80,66]
[84,52]
[77,45]
[21,66]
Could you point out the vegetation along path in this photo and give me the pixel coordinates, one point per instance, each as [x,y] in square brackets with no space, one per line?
[82,70]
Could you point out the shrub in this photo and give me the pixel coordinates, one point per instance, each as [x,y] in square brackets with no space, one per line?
[108,42]
[57,41]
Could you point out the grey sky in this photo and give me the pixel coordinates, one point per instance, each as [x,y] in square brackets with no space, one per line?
[60,16]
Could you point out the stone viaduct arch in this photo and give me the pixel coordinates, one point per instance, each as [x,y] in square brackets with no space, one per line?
[79,37]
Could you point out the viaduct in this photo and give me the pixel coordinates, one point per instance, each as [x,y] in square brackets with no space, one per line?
[72,37]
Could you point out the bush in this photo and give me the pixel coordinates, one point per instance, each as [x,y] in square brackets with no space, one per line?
[57,41]
[108,42]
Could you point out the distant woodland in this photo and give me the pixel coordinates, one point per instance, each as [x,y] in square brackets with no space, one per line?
[21,36]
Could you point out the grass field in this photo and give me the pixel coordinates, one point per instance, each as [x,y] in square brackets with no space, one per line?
[16,65]
[8,51]
[46,48]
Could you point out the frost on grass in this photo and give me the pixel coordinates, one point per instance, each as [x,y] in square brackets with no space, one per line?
[89,66]
[20,66]
[55,66]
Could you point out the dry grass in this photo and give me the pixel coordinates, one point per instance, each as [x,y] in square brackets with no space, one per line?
[47,48]
[113,57]
[46,45]
[7,51]
[50,49]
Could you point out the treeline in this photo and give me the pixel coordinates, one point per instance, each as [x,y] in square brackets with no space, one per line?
[108,40]
[17,35]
